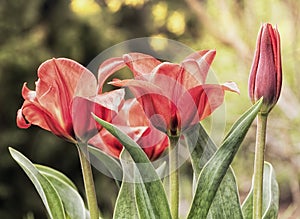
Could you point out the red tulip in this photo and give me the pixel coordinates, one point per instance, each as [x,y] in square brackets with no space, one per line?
[132,121]
[50,105]
[173,96]
[266,73]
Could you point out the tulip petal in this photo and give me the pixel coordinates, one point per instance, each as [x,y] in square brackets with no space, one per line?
[58,81]
[108,68]
[170,78]
[105,106]
[156,105]
[231,86]
[197,65]
[199,102]
[140,64]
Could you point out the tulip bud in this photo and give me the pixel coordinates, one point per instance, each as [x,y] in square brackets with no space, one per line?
[266,74]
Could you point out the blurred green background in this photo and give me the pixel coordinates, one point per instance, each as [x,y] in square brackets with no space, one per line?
[36,30]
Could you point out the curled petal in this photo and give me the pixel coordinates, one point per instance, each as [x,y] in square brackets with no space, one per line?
[21,122]
[231,86]
[140,64]
[108,68]
[198,64]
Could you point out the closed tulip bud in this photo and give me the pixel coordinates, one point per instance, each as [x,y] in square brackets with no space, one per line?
[266,73]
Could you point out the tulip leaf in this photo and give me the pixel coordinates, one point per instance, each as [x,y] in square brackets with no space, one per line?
[226,203]
[108,165]
[44,187]
[270,196]
[71,199]
[125,205]
[55,174]
[152,182]
[215,169]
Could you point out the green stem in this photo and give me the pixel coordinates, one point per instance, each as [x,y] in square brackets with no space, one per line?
[88,184]
[259,165]
[174,177]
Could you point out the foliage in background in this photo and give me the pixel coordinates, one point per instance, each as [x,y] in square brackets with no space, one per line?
[36,30]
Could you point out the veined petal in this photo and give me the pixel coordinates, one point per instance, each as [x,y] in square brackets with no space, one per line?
[140,64]
[104,106]
[58,81]
[108,68]
[197,65]
[21,122]
[153,142]
[199,102]
[156,105]
[170,78]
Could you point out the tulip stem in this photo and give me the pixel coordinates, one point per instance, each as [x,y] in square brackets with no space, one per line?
[174,176]
[88,184]
[259,165]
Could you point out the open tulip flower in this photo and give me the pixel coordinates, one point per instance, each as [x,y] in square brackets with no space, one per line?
[126,136]
[50,105]
[173,96]
[132,121]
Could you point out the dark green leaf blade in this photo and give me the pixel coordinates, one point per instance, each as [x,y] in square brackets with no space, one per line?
[226,203]
[44,187]
[216,168]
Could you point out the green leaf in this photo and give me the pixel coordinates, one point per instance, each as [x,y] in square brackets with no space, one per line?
[125,205]
[270,196]
[54,173]
[152,182]
[226,203]
[71,199]
[215,169]
[44,187]
[109,165]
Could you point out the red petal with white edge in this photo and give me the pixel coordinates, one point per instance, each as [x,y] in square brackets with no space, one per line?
[58,81]
[21,122]
[107,143]
[198,103]
[140,64]
[104,106]
[156,105]
[198,65]
[108,68]
[231,86]
[131,114]
[153,142]
[170,79]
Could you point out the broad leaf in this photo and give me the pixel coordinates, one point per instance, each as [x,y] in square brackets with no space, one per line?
[44,187]
[54,173]
[71,199]
[226,203]
[270,196]
[125,205]
[150,178]
[215,169]
[107,164]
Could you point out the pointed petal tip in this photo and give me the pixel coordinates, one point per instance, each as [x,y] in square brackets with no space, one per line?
[231,86]
[21,122]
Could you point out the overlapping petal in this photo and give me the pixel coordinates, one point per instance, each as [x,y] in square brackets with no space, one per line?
[132,121]
[49,105]
[175,96]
